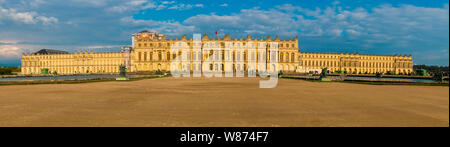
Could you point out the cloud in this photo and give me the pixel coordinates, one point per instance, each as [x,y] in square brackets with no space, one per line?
[165,27]
[385,29]
[47,20]
[132,5]
[224,5]
[167,2]
[79,24]
[26,17]
[199,5]
[137,5]
[89,3]
[185,6]
[9,51]
[248,20]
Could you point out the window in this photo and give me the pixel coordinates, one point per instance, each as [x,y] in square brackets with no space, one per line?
[238,56]
[194,57]
[188,55]
[292,57]
[168,56]
[151,56]
[139,56]
[145,56]
[245,56]
[159,56]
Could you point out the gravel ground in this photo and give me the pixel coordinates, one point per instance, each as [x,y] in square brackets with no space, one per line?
[223,102]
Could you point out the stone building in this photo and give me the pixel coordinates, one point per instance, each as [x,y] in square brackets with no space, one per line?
[355,63]
[75,63]
[151,51]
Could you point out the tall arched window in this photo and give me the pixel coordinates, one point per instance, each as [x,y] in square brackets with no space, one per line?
[151,56]
[139,56]
[168,56]
[145,56]
[292,57]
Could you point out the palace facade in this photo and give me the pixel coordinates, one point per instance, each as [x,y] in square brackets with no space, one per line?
[151,52]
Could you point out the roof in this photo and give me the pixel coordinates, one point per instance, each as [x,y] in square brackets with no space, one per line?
[145,31]
[50,51]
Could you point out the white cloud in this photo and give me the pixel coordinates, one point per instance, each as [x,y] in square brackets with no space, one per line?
[26,17]
[9,51]
[224,5]
[167,2]
[150,5]
[181,7]
[353,32]
[8,42]
[199,5]
[161,7]
[185,6]
[384,24]
[136,2]
[146,4]
[382,29]
[248,20]
[90,3]
[165,27]
[47,20]
[132,5]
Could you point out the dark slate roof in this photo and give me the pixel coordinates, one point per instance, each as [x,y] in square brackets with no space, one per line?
[145,31]
[50,51]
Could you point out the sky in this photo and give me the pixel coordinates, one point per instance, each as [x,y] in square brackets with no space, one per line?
[416,27]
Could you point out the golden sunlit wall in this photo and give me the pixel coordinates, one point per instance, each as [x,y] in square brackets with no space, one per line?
[356,63]
[76,63]
[151,52]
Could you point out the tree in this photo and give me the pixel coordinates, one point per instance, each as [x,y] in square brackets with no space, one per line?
[8,70]
[431,68]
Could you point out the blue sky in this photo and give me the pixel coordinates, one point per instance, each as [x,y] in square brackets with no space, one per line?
[416,27]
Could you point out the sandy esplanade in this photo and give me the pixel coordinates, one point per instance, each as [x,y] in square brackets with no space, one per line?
[223,102]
